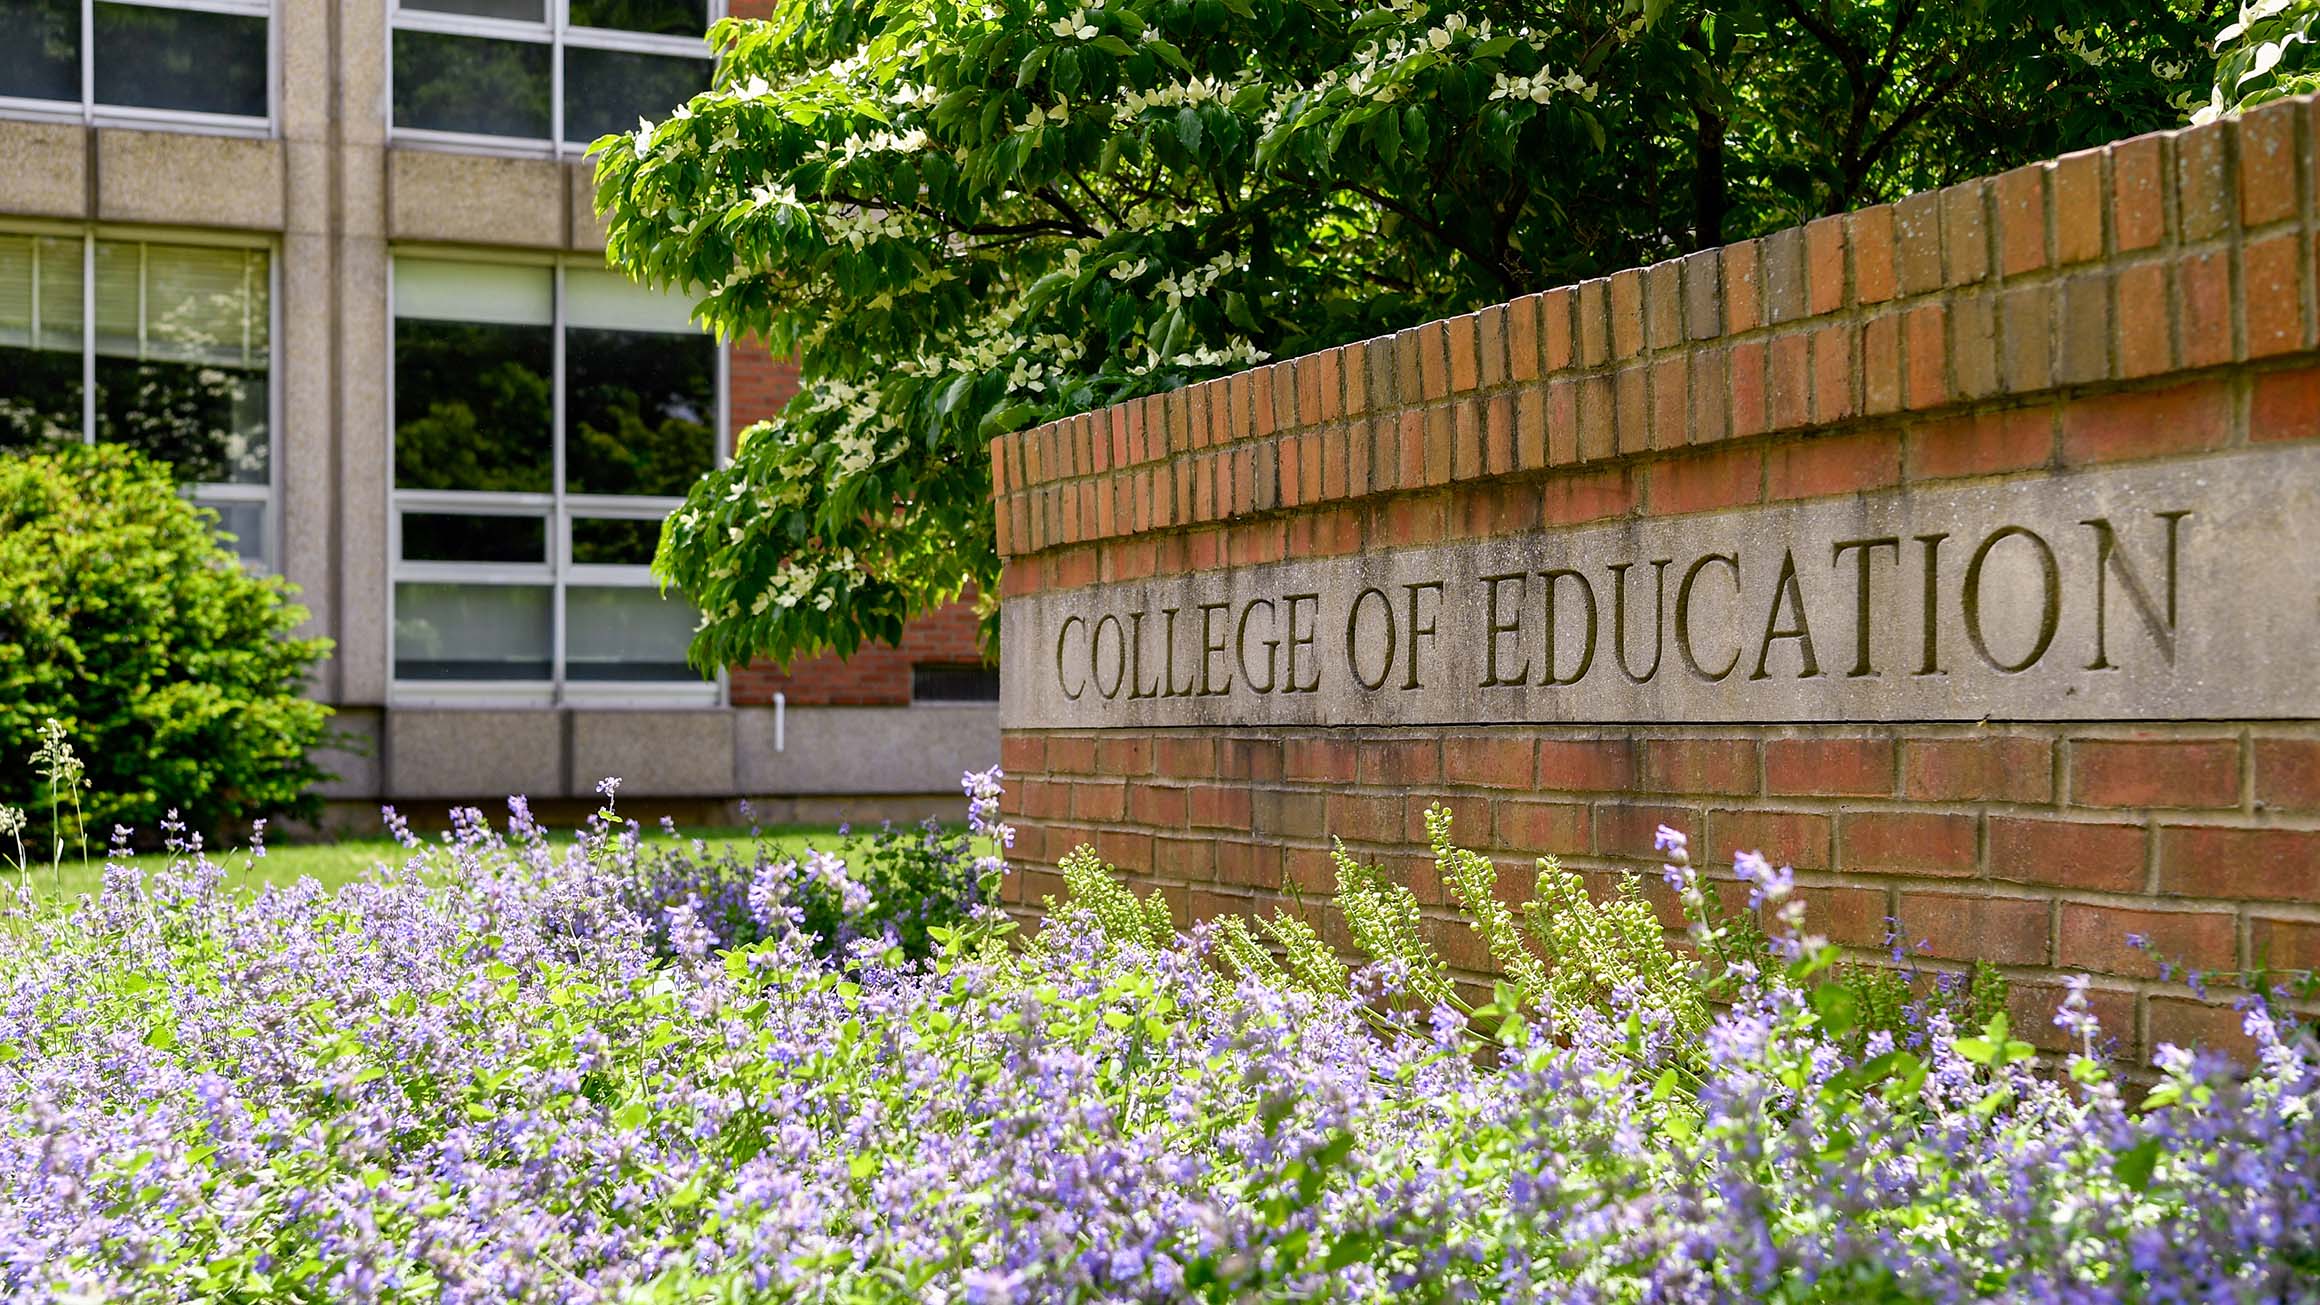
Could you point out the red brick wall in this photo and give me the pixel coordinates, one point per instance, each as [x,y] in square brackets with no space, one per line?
[757,385]
[2149,300]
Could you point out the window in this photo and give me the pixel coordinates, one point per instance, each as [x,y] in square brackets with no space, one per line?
[204,62]
[954,682]
[544,74]
[159,345]
[546,419]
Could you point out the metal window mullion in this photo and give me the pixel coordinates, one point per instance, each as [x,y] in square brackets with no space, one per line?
[559,13]
[88,62]
[615,39]
[496,29]
[242,8]
[88,336]
[559,528]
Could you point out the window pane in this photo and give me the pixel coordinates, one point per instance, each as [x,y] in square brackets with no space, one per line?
[530,11]
[41,57]
[246,522]
[182,355]
[40,340]
[954,683]
[608,90]
[469,84]
[472,632]
[640,409]
[668,17]
[627,634]
[608,542]
[474,537]
[181,59]
[473,409]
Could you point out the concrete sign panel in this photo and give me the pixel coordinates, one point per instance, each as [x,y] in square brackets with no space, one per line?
[2184,591]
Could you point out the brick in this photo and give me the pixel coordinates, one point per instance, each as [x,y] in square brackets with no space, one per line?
[1833,464]
[2281,944]
[2203,307]
[1705,482]
[1586,765]
[1982,443]
[1469,820]
[2026,323]
[1790,381]
[1703,295]
[1965,240]
[1628,831]
[1839,767]
[1123,756]
[1750,413]
[1625,291]
[2068,854]
[2285,406]
[1277,814]
[1252,865]
[1870,232]
[2202,187]
[2020,199]
[1021,754]
[2138,207]
[2154,773]
[1824,265]
[1157,807]
[1632,410]
[1964,927]
[1784,259]
[1177,757]
[1594,309]
[1125,849]
[1793,838]
[2083,330]
[1522,339]
[2019,769]
[1256,759]
[1558,328]
[1461,338]
[1724,766]
[2185,1022]
[1597,430]
[1557,829]
[1849,917]
[1881,365]
[1401,762]
[1906,842]
[1490,344]
[1832,374]
[1925,374]
[1489,761]
[1071,756]
[2145,335]
[1215,806]
[1742,287]
[1711,394]
[2267,162]
[2287,774]
[1973,345]
[1671,403]
[1917,242]
[2095,939]
[2031,1006]
[2147,423]
[2076,189]
[2280,865]
[1366,818]
[2271,284]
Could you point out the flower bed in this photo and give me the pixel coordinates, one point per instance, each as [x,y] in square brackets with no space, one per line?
[509,1080]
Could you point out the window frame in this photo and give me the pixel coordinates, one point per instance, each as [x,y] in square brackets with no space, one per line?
[91,112]
[555,31]
[201,493]
[558,507]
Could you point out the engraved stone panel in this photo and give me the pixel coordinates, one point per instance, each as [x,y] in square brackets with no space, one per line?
[2183,591]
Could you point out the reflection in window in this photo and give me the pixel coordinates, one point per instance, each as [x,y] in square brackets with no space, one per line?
[41,57]
[181,343]
[666,17]
[207,57]
[954,682]
[474,537]
[642,407]
[184,59]
[471,85]
[600,542]
[473,409]
[472,632]
[627,634]
[608,91]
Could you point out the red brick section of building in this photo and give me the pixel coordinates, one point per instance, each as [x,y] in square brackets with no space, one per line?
[758,384]
[2147,300]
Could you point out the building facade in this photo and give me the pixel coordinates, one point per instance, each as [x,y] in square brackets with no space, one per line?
[337,263]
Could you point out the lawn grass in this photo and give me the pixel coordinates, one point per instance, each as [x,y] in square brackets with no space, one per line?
[335,864]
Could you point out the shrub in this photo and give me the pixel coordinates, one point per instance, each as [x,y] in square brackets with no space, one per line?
[487,1084]
[172,669]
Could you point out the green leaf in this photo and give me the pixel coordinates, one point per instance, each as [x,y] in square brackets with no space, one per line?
[1188,130]
[1032,62]
[2135,1165]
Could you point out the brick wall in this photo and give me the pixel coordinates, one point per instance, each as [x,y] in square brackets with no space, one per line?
[2147,301]
[757,385]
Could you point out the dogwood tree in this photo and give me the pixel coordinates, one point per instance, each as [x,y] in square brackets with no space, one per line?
[970,217]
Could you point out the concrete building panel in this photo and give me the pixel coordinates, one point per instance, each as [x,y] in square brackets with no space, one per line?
[44,169]
[465,754]
[187,179]
[473,199]
[654,753]
[830,750]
